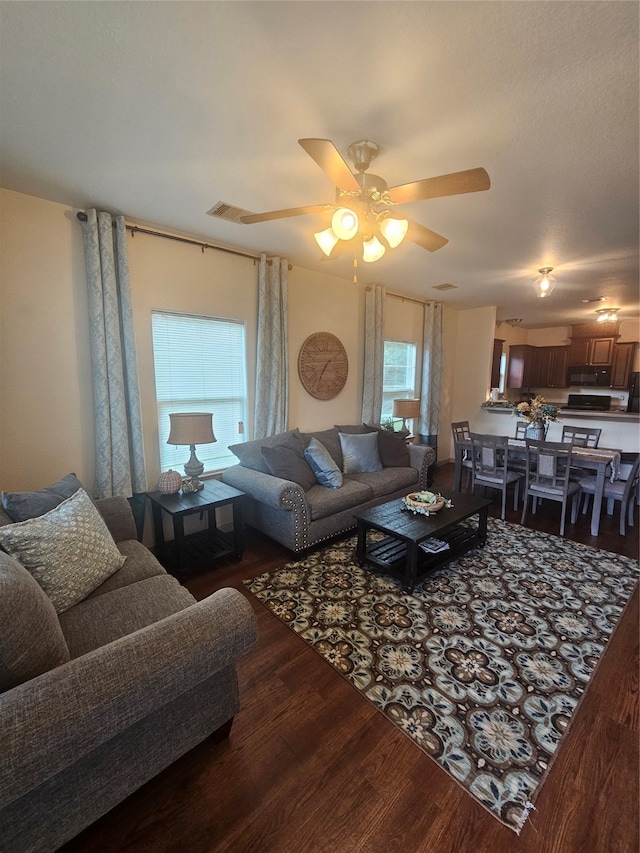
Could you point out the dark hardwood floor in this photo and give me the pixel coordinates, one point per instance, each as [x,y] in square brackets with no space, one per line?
[311,767]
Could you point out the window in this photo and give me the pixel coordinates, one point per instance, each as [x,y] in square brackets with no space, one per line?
[399,374]
[199,367]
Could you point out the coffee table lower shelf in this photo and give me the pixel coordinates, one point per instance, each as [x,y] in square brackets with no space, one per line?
[399,552]
[390,554]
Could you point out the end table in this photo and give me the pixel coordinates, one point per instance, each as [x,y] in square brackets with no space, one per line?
[211,543]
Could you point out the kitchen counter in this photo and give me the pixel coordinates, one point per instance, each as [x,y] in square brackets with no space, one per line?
[620,430]
[574,414]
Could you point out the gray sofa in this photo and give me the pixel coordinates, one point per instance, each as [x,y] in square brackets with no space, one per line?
[299,514]
[98,699]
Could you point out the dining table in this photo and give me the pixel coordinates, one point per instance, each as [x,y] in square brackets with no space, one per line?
[603,460]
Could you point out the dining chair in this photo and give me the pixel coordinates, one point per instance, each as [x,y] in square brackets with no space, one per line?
[624,489]
[548,470]
[581,436]
[461,432]
[489,459]
[521,428]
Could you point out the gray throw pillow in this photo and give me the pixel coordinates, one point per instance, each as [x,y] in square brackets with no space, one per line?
[323,465]
[360,453]
[329,438]
[31,640]
[393,449]
[21,506]
[69,550]
[250,455]
[286,460]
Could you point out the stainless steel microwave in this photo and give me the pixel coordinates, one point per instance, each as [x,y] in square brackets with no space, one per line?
[589,374]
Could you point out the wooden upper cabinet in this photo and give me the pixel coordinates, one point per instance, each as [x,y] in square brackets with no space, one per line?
[552,363]
[559,363]
[521,372]
[622,363]
[597,351]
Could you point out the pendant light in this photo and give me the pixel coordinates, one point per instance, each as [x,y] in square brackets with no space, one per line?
[545,283]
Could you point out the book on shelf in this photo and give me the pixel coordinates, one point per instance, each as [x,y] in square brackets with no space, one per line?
[434,546]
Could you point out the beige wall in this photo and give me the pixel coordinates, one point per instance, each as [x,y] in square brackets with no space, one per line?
[46,409]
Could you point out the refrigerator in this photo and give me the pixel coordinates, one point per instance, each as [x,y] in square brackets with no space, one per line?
[634,393]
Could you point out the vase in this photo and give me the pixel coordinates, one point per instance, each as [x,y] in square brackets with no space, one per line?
[535,430]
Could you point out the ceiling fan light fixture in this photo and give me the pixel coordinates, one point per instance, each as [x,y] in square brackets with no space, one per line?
[344,223]
[372,249]
[394,230]
[326,239]
[545,282]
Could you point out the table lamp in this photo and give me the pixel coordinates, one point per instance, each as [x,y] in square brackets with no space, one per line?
[192,428]
[407,410]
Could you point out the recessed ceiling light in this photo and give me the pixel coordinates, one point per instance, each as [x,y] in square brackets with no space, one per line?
[595,299]
[445,286]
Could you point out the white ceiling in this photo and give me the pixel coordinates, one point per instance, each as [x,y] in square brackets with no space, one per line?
[160,109]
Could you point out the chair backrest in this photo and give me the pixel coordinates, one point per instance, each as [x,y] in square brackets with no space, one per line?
[521,428]
[489,455]
[460,430]
[581,436]
[549,464]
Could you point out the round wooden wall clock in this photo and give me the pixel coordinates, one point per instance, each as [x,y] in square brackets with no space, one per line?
[323,365]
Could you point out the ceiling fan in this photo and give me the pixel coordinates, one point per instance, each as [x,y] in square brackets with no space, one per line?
[365,205]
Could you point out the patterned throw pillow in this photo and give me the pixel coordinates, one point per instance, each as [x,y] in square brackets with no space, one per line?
[69,550]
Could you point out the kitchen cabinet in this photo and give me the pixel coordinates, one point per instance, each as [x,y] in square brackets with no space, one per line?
[552,367]
[523,364]
[595,351]
[495,362]
[621,364]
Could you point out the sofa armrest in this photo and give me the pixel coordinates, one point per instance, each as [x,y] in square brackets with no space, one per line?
[421,457]
[265,488]
[118,517]
[48,723]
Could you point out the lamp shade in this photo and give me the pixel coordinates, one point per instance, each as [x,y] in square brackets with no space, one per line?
[191,428]
[345,223]
[406,408]
[394,230]
[326,240]
[372,250]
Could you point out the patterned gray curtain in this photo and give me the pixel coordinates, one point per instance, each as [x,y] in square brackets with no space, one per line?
[431,374]
[272,370]
[120,463]
[373,354]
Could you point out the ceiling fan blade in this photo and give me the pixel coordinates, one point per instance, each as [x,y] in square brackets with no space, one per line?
[283,214]
[327,156]
[469,181]
[424,237]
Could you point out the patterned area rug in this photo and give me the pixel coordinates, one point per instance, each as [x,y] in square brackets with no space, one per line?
[483,665]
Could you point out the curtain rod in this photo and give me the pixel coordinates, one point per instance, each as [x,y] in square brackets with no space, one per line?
[407,298]
[135,229]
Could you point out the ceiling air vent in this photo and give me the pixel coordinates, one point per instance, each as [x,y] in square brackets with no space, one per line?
[445,286]
[230,212]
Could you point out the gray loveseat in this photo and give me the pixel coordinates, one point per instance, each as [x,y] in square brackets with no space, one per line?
[98,699]
[300,513]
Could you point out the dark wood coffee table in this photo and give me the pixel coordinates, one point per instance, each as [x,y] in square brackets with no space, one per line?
[399,553]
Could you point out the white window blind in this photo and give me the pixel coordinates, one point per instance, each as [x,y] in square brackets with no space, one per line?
[399,374]
[200,367]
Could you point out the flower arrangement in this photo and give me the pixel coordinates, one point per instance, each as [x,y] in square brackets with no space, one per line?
[537,411]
